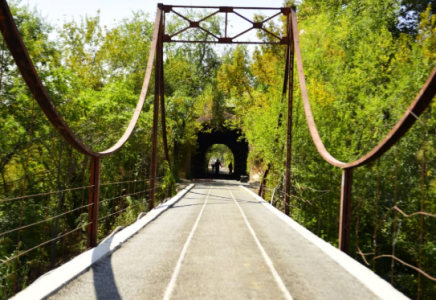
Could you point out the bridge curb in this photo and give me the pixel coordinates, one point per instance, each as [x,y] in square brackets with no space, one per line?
[53,281]
[367,277]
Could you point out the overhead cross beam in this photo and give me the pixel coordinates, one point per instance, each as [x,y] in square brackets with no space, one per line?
[286,39]
[226,39]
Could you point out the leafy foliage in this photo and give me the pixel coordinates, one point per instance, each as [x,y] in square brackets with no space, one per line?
[362,71]
[365,61]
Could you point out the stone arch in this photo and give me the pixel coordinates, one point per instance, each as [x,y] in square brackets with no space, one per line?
[228,137]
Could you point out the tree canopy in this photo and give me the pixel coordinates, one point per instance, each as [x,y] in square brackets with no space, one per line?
[365,61]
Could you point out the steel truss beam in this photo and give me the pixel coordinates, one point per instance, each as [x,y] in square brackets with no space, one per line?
[225,10]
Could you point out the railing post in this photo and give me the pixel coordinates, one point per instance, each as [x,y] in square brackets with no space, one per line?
[94,193]
[288,171]
[345,214]
[263,184]
[157,70]
[162,99]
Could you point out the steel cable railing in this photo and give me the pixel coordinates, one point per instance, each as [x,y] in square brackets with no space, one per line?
[409,118]
[38,246]
[314,202]
[316,212]
[421,102]
[45,220]
[25,65]
[49,218]
[120,189]
[29,228]
[44,194]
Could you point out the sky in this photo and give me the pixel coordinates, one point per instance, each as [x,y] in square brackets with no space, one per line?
[112,11]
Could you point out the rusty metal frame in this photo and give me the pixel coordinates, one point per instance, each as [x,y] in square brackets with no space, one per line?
[27,69]
[288,67]
[345,210]
[162,102]
[264,179]
[421,102]
[411,115]
[225,10]
[290,83]
[162,94]
[93,208]
[157,93]
[159,99]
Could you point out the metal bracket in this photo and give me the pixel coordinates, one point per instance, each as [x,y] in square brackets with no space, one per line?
[284,40]
[226,9]
[225,40]
[286,10]
[167,8]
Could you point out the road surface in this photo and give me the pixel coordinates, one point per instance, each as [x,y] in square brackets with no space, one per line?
[218,242]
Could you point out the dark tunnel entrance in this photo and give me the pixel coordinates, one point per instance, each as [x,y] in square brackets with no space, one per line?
[200,166]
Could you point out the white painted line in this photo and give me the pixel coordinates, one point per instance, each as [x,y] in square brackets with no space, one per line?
[172,284]
[367,277]
[268,260]
[50,283]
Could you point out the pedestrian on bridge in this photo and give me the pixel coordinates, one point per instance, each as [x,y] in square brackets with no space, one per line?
[213,166]
[230,168]
[217,166]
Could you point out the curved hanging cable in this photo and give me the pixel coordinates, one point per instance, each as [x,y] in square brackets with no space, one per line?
[421,102]
[24,63]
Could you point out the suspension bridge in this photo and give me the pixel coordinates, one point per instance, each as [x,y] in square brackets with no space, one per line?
[214,239]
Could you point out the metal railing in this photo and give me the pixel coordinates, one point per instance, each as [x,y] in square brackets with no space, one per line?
[107,200]
[74,202]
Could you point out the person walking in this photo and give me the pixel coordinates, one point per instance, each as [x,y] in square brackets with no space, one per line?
[213,166]
[217,166]
[230,168]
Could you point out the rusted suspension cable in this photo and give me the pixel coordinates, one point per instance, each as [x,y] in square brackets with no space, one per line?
[421,102]
[45,220]
[297,197]
[44,194]
[119,211]
[27,69]
[120,182]
[42,244]
[127,195]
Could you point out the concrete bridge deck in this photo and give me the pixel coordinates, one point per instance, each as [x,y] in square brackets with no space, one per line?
[220,242]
